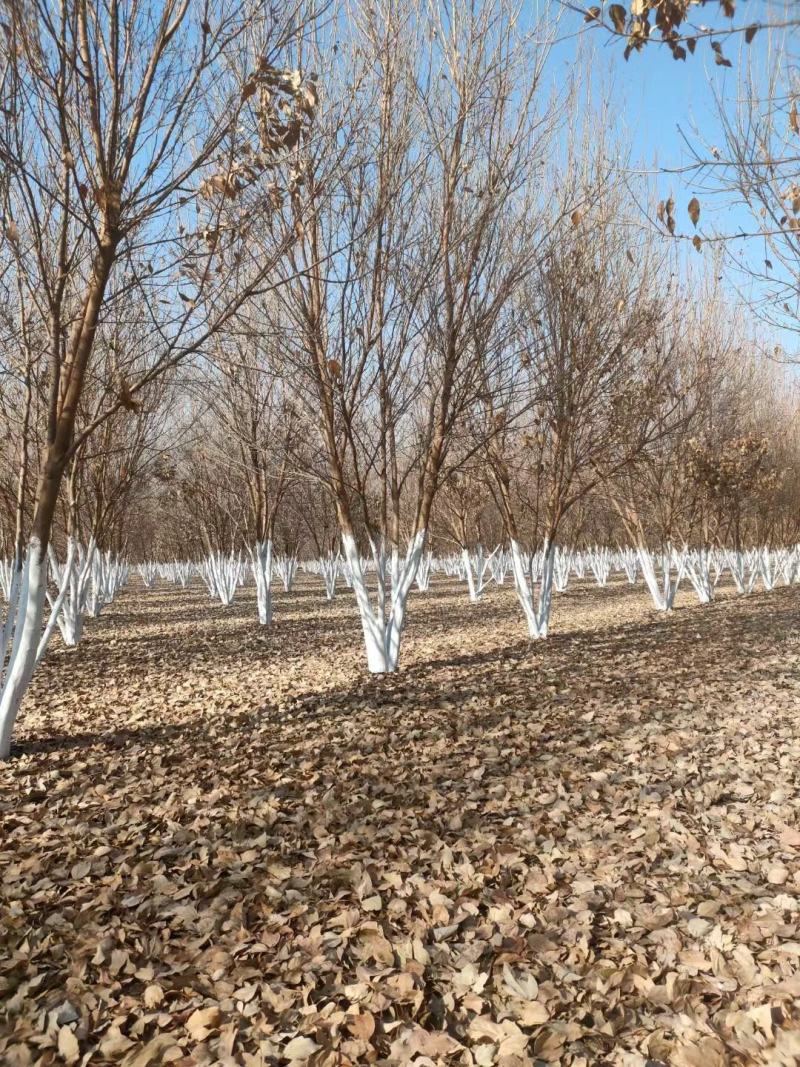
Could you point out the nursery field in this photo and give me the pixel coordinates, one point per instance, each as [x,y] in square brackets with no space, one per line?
[223,843]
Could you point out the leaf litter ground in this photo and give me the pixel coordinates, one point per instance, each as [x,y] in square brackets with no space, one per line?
[223,844]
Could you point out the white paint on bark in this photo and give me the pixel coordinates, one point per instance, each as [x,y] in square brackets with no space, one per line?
[524,566]
[383,624]
[27,631]
[261,566]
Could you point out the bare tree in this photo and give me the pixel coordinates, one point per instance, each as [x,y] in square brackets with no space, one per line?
[259,416]
[135,157]
[595,350]
[446,139]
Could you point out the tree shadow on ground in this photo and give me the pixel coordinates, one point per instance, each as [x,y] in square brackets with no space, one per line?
[657,658]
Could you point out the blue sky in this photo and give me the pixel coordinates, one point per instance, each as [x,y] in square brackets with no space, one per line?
[662,103]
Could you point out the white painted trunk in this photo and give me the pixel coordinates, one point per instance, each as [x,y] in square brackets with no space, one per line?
[286,569]
[600,562]
[383,624]
[70,623]
[148,572]
[9,569]
[663,592]
[329,569]
[423,578]
[223,575]
[562,565]
[499,565]
[537,612]
[699,570]
[261,565]
[27,632]
[15,579]
[768,569]
[475,566]
[72,581]
[743,573]
[474,594]
[629,564]
[65,578]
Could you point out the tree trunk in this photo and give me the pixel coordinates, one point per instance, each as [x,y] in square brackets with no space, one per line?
[27,632]
[536,615]
[383,629]
[261,565]
[30,614]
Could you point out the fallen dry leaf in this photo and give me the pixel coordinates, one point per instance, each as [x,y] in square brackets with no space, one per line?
[222,843]
[153,996]
[300,1048]
[201,1022]
[68,1047]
